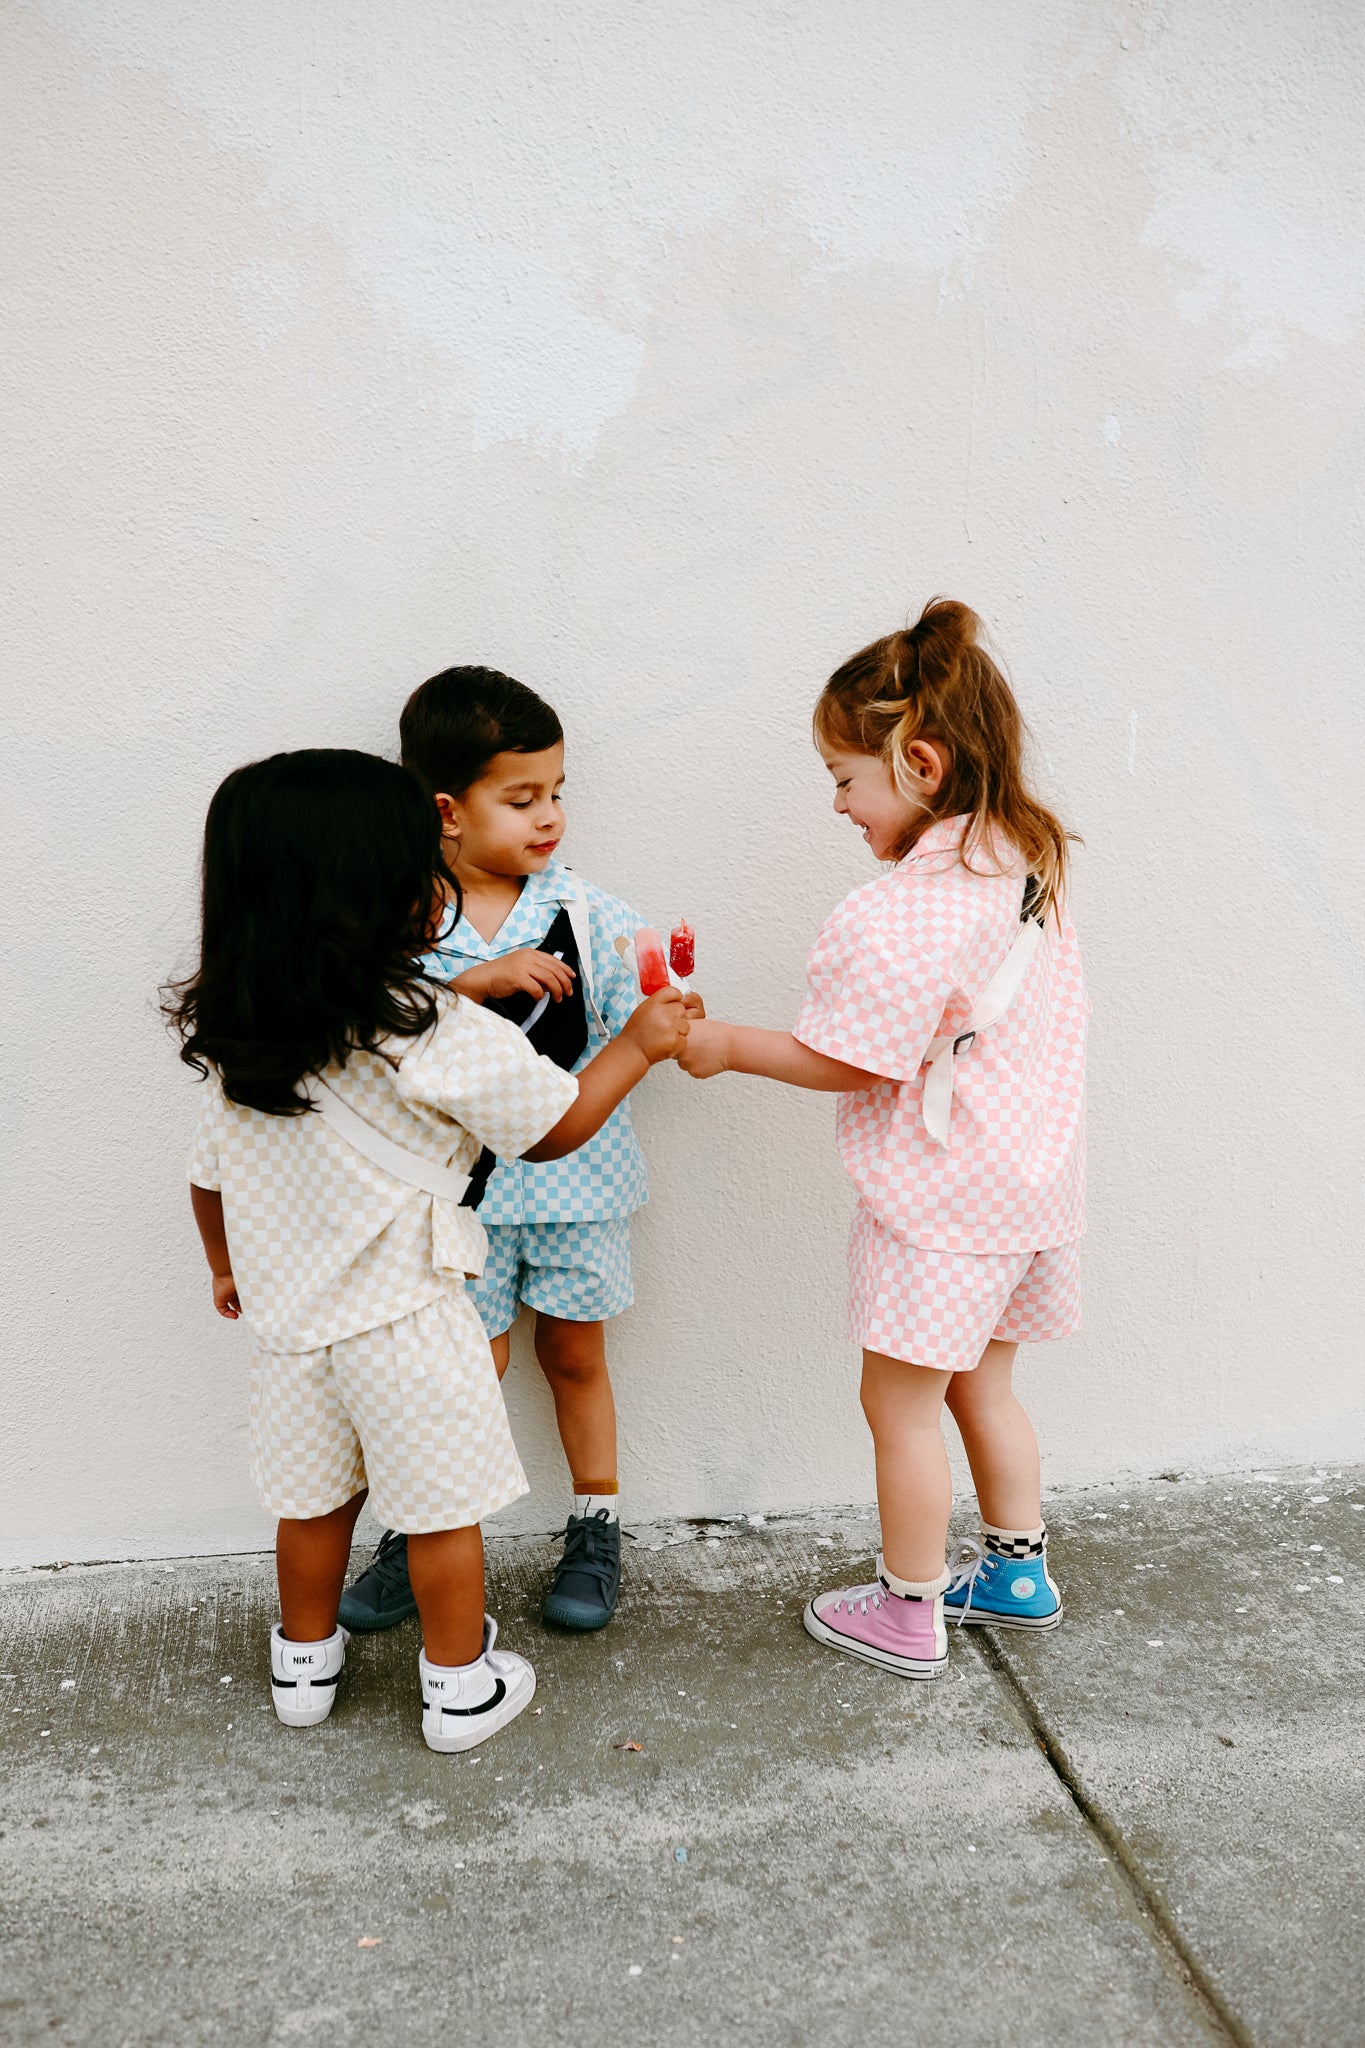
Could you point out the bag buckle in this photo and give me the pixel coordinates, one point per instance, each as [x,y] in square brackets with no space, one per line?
[959,1044]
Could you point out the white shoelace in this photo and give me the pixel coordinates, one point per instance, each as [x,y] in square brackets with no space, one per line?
[965,1566]
[859,1597]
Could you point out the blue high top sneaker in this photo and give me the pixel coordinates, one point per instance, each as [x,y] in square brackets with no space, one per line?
[1005,1585]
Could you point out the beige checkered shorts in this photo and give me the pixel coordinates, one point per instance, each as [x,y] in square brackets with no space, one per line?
[941,1309]
[413,1410]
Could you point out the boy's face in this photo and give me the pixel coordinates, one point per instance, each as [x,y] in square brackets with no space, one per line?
[511,820]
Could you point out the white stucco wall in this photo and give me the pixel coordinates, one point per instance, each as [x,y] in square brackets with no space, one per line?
[663,355]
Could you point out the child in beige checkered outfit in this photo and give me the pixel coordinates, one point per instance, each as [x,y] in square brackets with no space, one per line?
[347,1099]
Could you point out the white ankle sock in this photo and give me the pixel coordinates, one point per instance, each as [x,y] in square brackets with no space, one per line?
[913,1589]
[592,1503]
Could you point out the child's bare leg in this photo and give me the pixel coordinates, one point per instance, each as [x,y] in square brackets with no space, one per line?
[573,1358]
[904,1409]
[501,1348]
[999,1441]
[310,1564]
[446,1569]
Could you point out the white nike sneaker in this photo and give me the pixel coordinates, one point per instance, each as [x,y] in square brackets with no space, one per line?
[463,1705]
[303,1677]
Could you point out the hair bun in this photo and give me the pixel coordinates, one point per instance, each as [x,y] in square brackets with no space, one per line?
[946,624]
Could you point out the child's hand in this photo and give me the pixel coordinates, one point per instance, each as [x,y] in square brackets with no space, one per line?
[707,1050]
[525,972]
[693,1004]
[659,1027]
[225,1296]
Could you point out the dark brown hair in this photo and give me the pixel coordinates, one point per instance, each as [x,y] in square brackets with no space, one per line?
[456,722]
[935,681]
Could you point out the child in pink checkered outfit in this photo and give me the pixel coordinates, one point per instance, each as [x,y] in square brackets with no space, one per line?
[947,1011]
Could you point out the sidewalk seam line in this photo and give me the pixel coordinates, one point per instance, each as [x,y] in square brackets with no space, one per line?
[1161,1921]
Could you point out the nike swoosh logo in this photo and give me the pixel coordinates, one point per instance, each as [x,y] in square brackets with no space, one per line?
[495,1698]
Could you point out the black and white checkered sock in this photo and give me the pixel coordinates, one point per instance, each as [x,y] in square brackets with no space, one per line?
[912,1589]
[1015,1542]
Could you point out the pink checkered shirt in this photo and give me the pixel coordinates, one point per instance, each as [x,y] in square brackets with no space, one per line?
[901,961]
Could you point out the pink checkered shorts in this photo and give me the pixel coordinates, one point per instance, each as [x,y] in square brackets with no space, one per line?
[941,1309]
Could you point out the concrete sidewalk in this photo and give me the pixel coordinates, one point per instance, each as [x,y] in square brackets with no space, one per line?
[1145,1829]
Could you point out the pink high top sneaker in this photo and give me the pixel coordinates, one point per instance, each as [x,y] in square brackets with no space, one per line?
[907,1636]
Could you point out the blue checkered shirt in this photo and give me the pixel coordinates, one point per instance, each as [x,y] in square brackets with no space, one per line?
[605,1177]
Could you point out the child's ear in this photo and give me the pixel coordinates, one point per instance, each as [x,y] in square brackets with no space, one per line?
[449,810]
[928,763]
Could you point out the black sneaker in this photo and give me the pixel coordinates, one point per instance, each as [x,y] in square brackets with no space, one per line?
[587,1578]
[382,1596]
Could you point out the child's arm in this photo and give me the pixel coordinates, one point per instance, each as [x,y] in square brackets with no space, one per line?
[716,1048]
[656,1031]
[207,1204]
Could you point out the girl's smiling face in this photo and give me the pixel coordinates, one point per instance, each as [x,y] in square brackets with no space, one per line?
[865,792]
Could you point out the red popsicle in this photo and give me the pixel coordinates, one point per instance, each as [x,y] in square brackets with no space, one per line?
[650,963]
[682,950]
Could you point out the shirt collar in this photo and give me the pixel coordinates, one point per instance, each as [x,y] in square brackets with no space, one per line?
[943,836]
[549,886]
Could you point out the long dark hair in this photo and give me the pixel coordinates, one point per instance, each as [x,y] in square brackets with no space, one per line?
[320,870]
[454,724]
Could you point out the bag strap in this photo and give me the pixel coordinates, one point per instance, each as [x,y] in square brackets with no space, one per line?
[574,897]
[410,1167]
[989,1007]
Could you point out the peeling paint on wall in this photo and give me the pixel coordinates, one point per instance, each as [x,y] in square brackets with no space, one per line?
[1252,120]
[507,179]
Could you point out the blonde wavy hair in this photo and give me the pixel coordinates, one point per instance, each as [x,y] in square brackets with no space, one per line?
[935,681]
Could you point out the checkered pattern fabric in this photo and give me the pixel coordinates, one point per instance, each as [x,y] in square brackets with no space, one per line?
[577,1271]
[605,1177]
[323,1243]
[941,1309]
[901,961]
[412,1409]
[1014,1542]
[1047,1302]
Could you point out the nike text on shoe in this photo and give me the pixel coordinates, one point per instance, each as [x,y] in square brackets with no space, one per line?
[462,1705]
[382,1596]
[1001,1592]
[905,1636]
[587,1579]
[303,1677]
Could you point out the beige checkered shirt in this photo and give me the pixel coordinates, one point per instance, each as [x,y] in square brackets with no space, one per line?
[325,1245]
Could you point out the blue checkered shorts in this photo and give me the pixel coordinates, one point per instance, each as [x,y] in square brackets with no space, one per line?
[579,1272]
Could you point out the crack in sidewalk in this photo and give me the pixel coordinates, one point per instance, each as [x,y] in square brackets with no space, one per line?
[1152,1907]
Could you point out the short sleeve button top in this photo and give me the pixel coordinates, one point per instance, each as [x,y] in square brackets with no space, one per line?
[324,1244]
[902,960]
[605,1177]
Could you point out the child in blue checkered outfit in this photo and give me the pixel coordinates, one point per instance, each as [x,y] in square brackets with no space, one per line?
[491,753]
